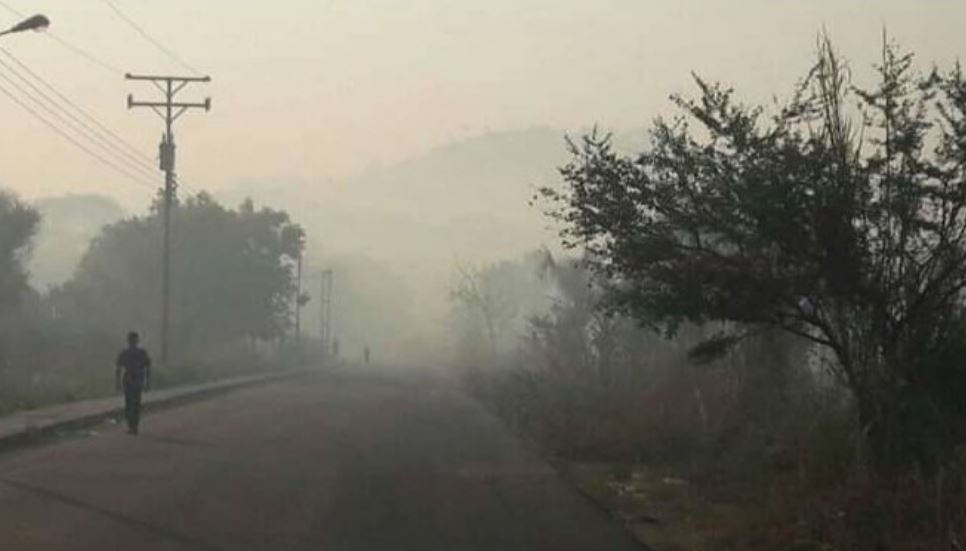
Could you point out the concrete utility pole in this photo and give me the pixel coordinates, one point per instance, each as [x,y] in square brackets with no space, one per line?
[298,301]
[169,111]
[325,313]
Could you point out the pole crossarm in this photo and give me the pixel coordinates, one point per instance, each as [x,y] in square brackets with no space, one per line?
[130,76]
[206,105]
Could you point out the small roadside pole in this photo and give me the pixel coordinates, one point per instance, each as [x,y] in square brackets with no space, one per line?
[299,301]
[325,313]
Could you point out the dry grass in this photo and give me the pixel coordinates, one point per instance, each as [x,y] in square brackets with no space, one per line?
[666,512]
[687,467]
[669,513]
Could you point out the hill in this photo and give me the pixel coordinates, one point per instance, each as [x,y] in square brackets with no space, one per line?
[68,224]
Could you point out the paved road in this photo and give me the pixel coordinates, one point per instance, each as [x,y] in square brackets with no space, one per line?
[361,460]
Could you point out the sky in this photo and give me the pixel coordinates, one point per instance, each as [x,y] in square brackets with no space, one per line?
[315,91]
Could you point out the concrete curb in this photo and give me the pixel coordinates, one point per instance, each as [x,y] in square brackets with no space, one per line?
[29,427]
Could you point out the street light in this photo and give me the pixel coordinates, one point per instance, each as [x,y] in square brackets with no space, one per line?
[35,23]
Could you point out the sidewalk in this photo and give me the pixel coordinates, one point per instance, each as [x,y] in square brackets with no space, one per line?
[28,426]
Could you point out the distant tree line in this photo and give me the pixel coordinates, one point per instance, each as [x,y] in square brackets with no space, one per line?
[233,275]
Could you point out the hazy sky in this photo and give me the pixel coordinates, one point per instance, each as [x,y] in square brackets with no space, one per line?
[320,89]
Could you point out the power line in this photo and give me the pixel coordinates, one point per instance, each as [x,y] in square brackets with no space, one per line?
[121,142]
[73,123]
[85,54]
[130,159]
[124,167]
[68,45]
[11,9]
[157,44]
[72,140]
[72,127]
[103,134]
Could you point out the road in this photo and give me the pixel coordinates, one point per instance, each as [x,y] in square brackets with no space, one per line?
[351,460]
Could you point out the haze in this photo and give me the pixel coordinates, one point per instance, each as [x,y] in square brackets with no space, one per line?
[308,93]
[427,267]
[411,134]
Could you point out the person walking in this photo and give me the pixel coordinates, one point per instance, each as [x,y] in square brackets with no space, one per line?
[133,374]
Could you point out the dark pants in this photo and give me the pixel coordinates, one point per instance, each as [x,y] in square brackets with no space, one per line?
[132,406]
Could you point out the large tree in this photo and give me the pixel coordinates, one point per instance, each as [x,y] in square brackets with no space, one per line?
[845,226]
[18,224]
[232,275]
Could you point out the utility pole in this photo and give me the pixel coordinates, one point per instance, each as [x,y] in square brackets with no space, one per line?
[298,301]
[169,111]
[325,313]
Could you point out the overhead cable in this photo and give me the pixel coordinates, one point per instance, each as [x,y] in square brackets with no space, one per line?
[144,34]
[118,140]
[64,43]
[67,119]
[120,169]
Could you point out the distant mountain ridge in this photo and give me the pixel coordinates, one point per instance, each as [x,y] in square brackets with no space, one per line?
[468,198]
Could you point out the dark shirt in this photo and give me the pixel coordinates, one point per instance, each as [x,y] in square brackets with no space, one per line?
[135,362]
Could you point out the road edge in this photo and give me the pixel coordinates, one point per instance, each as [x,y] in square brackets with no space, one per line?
[33,427]
[559,468]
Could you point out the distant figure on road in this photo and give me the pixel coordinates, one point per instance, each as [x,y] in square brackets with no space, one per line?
[366,353]
[134,374]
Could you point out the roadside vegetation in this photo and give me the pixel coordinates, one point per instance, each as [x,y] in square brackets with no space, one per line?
[758,343]
[231,305]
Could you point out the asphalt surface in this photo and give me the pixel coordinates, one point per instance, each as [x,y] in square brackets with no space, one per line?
[351,460]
